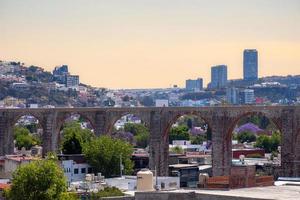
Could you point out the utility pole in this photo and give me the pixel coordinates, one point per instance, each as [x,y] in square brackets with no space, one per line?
[156,181]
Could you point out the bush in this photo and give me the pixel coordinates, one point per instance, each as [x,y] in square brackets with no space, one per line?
[177,149]
[107,192]
[68,196]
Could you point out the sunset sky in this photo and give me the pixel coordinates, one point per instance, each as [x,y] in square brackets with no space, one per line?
[150,43]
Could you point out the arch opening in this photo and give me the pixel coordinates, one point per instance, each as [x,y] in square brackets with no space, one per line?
[28,135]
[131,128]
[74,132]
[189,139]
[256,141]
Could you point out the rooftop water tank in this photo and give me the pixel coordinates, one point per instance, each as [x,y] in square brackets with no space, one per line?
[203,178]
[144,180]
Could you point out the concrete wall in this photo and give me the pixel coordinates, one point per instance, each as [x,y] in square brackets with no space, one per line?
[185,196]
[118,198]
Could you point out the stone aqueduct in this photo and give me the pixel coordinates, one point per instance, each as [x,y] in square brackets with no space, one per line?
[221,120]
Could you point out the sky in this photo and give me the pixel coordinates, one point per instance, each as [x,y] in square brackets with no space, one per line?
[150,43]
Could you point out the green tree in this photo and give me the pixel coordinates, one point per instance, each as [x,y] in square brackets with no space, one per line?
[269,143]
[75,138]
[246,137]
[24,138]
[32,128]
[255,120]
[142,140]
[42,179]
[234,136]
[199,139]
[275,141]
[179,133]
[263,141]
[135,129]
[104,153]
[140,132]
[72,145]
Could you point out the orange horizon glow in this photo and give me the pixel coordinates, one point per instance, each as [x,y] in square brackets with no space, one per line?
[150,44]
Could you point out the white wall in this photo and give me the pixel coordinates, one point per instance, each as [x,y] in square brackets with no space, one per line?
[69,167]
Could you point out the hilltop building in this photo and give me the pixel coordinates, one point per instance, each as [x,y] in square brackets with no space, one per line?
[60,73]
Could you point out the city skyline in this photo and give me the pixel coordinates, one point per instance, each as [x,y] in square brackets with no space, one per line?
[138,44]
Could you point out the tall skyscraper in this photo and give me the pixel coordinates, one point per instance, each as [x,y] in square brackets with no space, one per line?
[218,76]
[250,64]
[194,85]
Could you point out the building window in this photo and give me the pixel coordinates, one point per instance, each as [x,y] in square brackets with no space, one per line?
[76,171]
[89,170]
[83,170]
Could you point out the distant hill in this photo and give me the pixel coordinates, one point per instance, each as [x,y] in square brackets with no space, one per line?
[36,86]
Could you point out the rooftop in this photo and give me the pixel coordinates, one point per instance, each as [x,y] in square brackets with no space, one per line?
[271,192]
[19,158]
[183,165]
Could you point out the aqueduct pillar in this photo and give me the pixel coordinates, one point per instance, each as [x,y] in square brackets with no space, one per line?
[158,145]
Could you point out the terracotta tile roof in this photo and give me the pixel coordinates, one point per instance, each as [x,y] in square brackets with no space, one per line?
[21,158]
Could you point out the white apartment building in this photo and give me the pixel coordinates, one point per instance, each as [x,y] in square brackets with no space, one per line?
[75,171]
[248,96]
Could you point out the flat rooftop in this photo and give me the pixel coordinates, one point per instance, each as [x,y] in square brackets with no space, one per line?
[272,192]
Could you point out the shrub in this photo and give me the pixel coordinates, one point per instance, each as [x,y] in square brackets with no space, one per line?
[107,192]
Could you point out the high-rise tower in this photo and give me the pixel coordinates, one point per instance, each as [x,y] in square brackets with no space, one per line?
[250,64]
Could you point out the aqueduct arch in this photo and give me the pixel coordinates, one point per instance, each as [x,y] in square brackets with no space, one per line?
[57,135]
[220,118]
[272,119]
[118,115]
